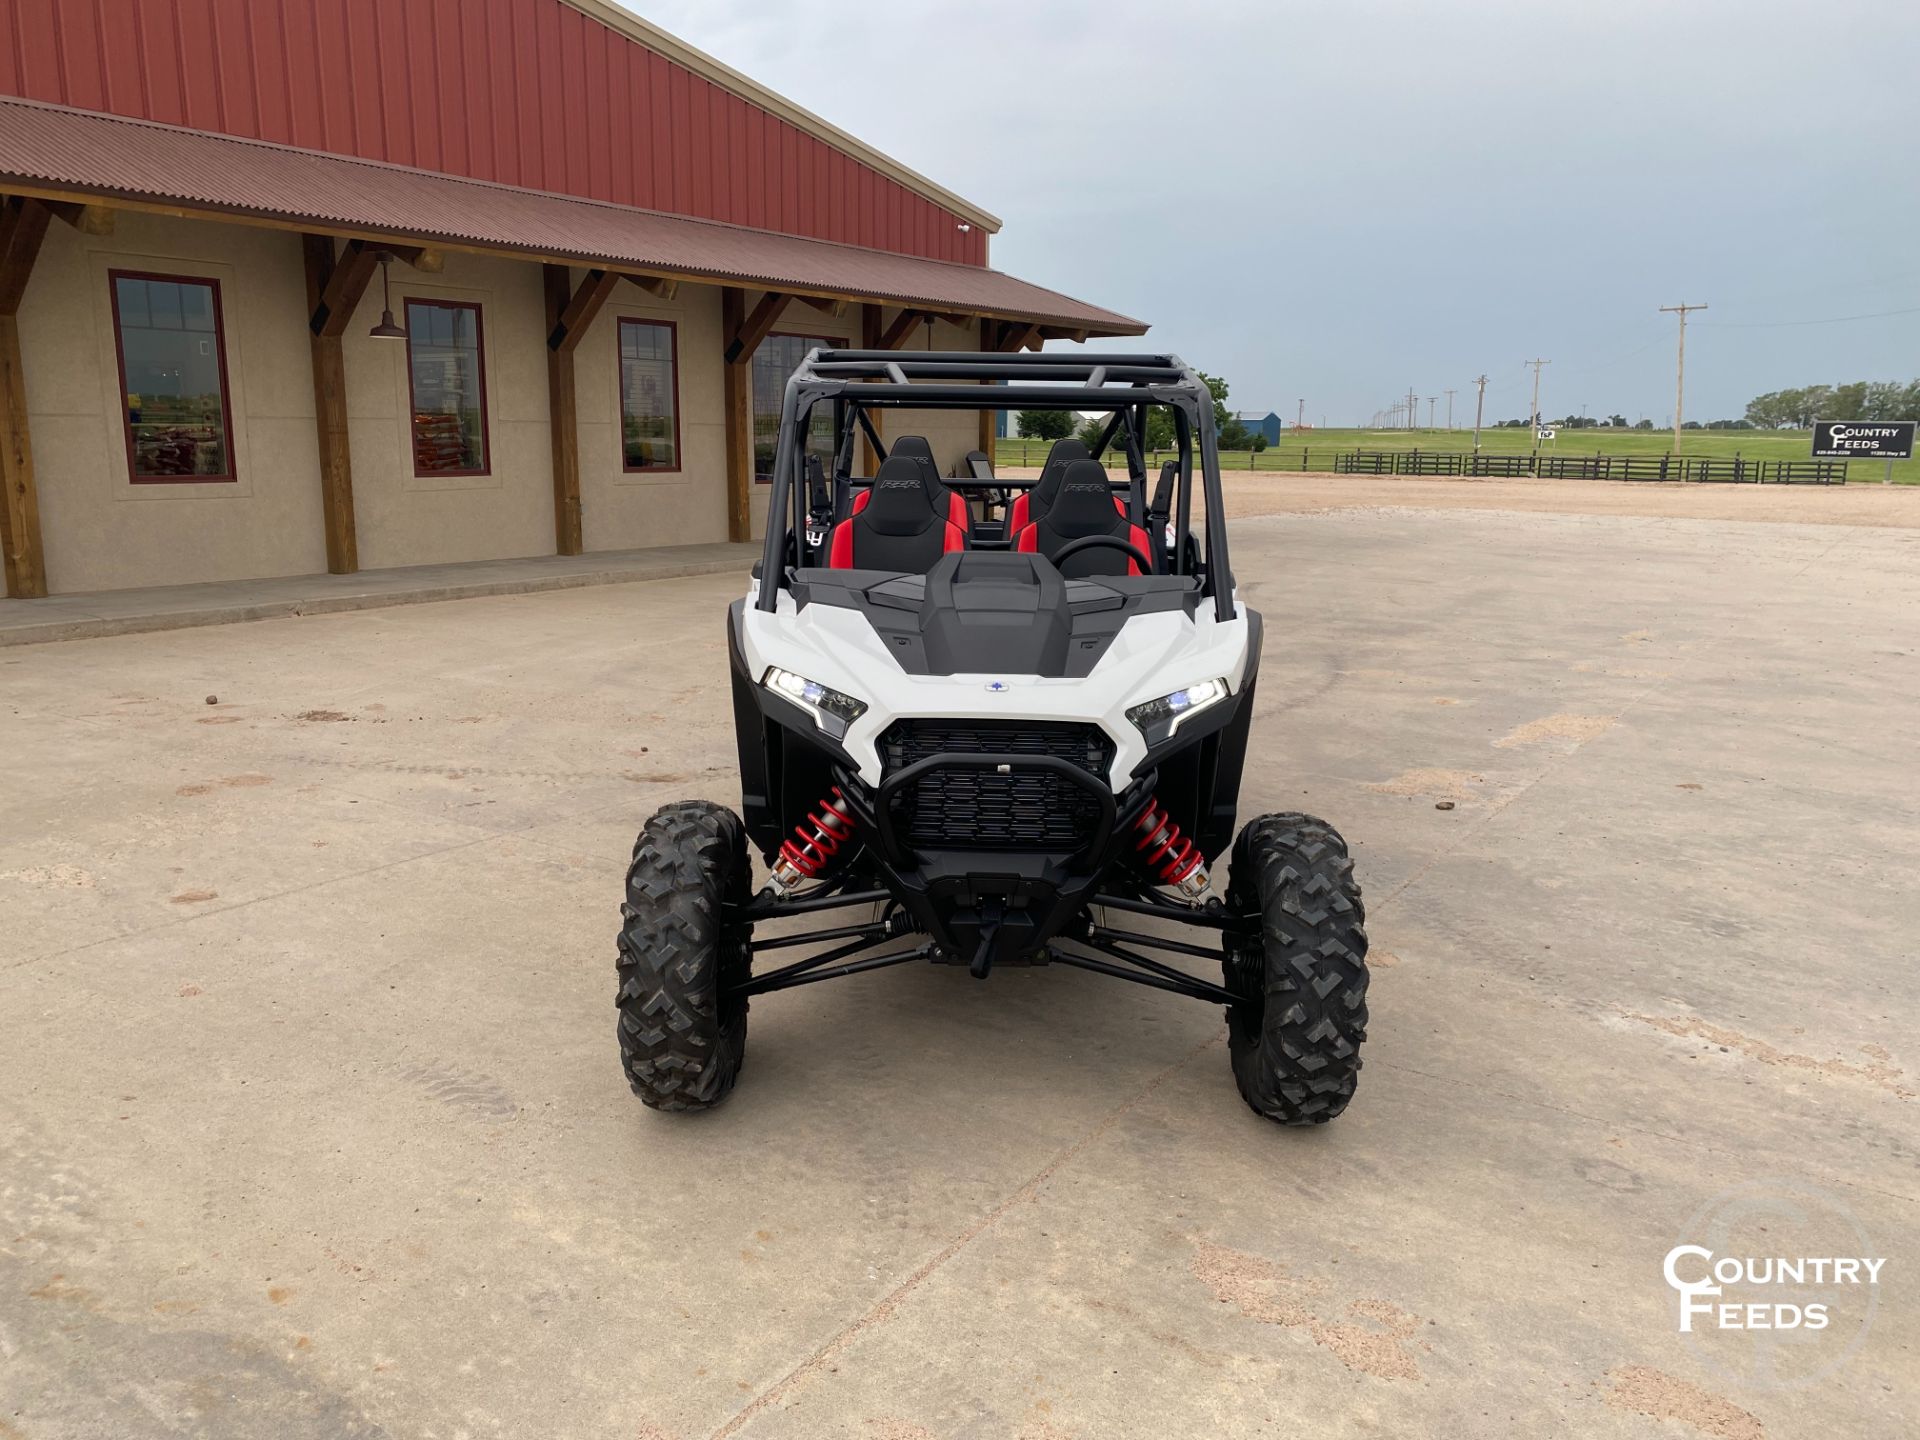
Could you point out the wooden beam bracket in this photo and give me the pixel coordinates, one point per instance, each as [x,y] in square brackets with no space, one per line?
[658,286]
[346,283]
[755,328]
[580,308]
[902,326]
[87,219]
[424,258]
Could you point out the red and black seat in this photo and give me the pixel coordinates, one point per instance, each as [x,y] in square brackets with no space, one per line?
[1083,505]
[1032,504]
[915,449]
[1029,508]
[901,527]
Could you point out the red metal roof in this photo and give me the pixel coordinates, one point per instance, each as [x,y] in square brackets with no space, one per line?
[534,93]
[54,147]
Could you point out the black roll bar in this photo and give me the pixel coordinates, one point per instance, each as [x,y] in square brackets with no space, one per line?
[859,380]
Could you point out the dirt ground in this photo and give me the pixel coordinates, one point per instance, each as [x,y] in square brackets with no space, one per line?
[1261,493]
[312,1124]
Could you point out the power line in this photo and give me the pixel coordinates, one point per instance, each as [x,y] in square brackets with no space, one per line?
[1788,324]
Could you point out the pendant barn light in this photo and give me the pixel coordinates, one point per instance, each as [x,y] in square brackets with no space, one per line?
[387,329]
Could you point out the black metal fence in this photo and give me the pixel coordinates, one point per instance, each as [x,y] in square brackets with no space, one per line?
[1696,469]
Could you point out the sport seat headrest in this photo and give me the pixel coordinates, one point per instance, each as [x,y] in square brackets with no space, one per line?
[916,449]
[1064,453]
[1083,503]
[899,503]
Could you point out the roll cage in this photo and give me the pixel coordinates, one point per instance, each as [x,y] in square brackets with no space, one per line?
[855,382]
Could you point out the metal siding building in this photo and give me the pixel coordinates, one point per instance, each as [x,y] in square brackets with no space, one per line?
[585,232]
[1264,423]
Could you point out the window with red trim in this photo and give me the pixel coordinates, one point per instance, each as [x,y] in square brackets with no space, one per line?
[447,378]
[173,377]
[649,395]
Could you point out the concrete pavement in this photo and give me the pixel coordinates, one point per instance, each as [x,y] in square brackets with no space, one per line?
[311,1120]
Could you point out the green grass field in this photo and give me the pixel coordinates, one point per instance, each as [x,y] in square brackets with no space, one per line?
[1320,446]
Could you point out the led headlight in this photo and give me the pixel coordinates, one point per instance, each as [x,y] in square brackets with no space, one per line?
[832,711]
[1158,719]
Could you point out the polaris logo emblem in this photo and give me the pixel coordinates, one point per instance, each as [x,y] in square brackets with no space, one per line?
[998,687]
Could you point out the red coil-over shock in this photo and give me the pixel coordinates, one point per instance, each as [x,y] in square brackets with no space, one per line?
[819,839]
[1167,855]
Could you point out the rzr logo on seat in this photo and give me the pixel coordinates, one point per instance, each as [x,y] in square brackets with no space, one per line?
[1098,486]
[896,484]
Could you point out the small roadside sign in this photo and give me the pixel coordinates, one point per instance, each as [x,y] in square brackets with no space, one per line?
[1859,440]
[1546,432]
[1887,440]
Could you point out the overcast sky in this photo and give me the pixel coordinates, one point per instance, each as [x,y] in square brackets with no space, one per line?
[1341,201]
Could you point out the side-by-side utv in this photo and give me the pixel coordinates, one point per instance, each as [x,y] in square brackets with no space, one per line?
[987,721]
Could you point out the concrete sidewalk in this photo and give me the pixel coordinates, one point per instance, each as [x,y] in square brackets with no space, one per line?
[183,607]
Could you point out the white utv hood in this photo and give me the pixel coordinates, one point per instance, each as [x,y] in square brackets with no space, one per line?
[1153,655]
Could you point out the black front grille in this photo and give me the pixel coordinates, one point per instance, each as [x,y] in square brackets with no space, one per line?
[955,807]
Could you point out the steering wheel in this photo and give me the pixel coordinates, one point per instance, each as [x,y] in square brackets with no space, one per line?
[1112,542]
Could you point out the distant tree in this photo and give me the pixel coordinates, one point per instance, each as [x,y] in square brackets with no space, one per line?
[1257,443]
[1847,402]
[1643,425]
[1619,422]
[1091,429]
[1233,435]
[1160,434]
[1859,400]
[1045,424]
[1219,389]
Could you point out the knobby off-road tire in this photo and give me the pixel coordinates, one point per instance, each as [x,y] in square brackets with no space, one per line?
[681,1045]
[1295,1041]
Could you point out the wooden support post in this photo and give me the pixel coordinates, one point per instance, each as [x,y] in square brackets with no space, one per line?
[23,225]
[737,379]
[562,413]
[20,516]
[870,332]
[330,409]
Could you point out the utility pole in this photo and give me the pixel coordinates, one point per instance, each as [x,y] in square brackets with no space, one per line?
[1536,364]
[1300,418]
[1449,409]
[1432,400]
[1413,408]
[1680,370]
[1479,405]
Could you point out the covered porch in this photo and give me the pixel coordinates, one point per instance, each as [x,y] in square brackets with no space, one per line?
[317,431]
